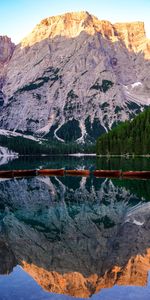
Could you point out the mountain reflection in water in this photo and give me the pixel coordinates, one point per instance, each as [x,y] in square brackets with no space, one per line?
[76,236]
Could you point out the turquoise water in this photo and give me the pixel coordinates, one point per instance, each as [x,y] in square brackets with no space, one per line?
[65,237]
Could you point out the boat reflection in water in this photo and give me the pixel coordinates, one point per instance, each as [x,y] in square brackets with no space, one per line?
[74,235]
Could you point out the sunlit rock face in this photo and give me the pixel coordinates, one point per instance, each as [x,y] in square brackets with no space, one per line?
[75,71]
[6,51]
[134,273]
[134,36]
[74,237]
[72,24]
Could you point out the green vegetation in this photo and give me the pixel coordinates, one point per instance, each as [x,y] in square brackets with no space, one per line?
[104,87]
[94,129]
[71,105]
[131,137]
[25,146]
[104,105]
[37,96]
[70,131]
[72,95]
[123,163]
[50,74]
[140,188]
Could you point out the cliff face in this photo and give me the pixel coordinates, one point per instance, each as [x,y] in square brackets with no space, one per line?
[71,25]
[75,71]
[6,51]
[133,35]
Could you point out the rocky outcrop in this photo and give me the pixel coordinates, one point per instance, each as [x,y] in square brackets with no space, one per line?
[73,77]
[7,259]
[134,36]
[71,25]
[6,51]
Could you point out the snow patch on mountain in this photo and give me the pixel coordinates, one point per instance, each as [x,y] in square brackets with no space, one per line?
[74,78]
[9,133]
[136,92]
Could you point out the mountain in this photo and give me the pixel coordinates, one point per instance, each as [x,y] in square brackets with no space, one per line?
[130,137]
[6,51]
[75,77]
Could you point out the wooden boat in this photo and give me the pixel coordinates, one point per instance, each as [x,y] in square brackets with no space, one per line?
[24,173]
[6,174]
[137,174]
[107,173]
[51,172]
[77,172]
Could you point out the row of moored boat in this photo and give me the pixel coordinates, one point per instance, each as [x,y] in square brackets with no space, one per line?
[62,172]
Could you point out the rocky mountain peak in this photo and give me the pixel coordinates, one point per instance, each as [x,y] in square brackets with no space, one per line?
[6,49]
[71,24]
[76,72]
[133,34]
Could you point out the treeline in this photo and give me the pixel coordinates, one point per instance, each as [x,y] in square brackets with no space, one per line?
[25,146]
[130,137]
[139,188]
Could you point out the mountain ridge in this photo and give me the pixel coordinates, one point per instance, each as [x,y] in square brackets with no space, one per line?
[75,87]
[73,23]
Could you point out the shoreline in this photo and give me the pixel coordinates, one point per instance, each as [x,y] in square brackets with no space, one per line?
[123,155]
[76,155]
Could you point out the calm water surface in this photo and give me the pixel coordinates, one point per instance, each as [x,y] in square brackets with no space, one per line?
[65,237]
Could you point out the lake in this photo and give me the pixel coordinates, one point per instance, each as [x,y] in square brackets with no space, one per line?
[65,237]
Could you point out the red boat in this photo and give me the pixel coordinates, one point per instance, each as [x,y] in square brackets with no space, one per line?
[107,173]
[6,174]
[51,172]
[77,172]
[137,174]
[24,173]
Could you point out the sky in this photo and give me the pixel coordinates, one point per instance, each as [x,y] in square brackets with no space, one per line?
[19,17]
